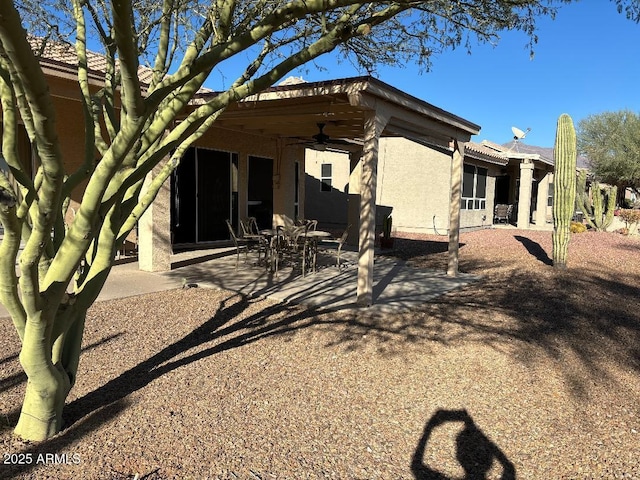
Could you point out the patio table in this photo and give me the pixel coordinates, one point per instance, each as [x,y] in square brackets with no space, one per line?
[309,246]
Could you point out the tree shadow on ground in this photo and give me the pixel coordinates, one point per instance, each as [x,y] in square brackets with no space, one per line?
[591,318]
[93,409]
[407,248]
[475,452]
[431,254]
[588,319]
[535,249]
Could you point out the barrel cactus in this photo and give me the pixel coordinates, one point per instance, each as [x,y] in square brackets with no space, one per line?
[564,188]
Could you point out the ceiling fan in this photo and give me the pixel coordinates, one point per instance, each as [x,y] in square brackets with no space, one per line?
[322,141]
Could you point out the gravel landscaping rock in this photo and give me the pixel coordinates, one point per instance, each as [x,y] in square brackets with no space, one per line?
[528,373]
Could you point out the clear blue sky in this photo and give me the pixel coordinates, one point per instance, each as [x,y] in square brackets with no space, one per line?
[586,62]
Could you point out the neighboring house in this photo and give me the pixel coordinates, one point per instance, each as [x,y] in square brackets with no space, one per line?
[526,182]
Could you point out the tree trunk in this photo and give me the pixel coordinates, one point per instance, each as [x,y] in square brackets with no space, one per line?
[41,415]
[51,368]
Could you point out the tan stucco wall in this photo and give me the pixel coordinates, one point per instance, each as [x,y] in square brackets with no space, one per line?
[327,207]
[414,181]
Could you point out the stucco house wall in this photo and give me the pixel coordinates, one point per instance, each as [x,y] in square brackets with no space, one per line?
[414,184]
[328,207]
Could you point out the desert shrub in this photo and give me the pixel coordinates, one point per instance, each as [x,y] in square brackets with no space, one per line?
[577,227]
[630,217]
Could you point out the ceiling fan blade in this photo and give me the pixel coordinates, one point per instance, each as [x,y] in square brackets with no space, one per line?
[338,141]
[320,141]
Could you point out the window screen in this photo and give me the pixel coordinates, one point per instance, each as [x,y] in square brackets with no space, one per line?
[474,188]
[325,177]
[481,183]
[467,181]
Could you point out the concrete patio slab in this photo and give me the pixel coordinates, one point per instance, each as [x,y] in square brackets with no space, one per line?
[397,286]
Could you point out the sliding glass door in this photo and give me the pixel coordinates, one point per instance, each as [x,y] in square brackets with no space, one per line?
[204,193]
[260,200]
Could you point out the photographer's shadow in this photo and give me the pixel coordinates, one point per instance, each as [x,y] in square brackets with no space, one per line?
[475,453]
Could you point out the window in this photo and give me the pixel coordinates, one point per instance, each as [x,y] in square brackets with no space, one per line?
[325,177]
[550,196]
[474,188]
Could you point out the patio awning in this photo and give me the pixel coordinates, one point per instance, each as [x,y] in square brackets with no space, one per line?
[358,111]
[294,112]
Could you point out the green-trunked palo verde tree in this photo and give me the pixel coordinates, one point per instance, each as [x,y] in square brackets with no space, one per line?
[130,127]
[564,188]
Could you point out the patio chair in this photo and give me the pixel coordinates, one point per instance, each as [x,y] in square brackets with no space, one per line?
[288,244]
[311,224]
[339,242]
[502,212]
[253,238]
[238,242]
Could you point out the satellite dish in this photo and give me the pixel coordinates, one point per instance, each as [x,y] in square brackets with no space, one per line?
[519,134]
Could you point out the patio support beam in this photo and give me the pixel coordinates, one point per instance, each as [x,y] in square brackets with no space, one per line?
[374,124]
[541,202]
[353,200]
[457,162]
[524,195]
[154,230]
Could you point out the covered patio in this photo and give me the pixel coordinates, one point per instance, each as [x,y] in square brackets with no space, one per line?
[357,112]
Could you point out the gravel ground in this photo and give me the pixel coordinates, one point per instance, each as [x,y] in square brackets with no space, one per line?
[530,373]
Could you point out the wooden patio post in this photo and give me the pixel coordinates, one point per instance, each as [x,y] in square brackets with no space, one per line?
[353,200]
[374,125]
[457,162]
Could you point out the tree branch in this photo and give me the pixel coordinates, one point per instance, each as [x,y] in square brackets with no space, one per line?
[123,23]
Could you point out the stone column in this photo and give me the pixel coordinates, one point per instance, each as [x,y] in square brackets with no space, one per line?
[524,196]
[541,201]
[457,162]
[154,229]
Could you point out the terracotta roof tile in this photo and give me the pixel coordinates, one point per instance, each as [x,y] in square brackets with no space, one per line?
[64,55]
[482,152]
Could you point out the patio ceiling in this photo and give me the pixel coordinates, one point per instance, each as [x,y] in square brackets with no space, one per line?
[294,112]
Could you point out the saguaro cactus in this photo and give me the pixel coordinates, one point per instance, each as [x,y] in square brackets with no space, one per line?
[564,188]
